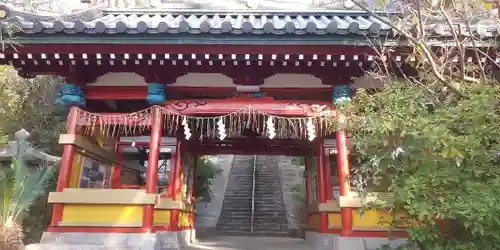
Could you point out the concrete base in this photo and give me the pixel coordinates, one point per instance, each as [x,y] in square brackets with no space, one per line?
[162,240]
[320,241]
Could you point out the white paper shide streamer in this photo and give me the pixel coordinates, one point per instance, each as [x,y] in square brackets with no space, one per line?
[311,131]
[187,131]
[270,127]
[221,127]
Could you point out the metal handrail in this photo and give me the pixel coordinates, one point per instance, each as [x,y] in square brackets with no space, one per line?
[253,192]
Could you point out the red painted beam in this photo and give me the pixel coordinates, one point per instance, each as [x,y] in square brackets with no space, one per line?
[226,106]
[251,151]
[297,108]
[140,92]
[92,70]
[252,147]
[253,142]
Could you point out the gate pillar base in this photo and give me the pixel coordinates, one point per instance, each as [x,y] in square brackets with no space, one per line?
[161,240]
[326,241]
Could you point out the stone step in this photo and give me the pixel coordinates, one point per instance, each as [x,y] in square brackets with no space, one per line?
[269,213]
[271,226]
[268,206]
[233,224]
[270,233]
[245,218]
[235,220]
[242,185]
[235,204]
[230,213]
[237,207]
[264,216]
[239,198]
[78,247]
[236,213]
[237,227]
[232,194]
[242,179]
[259,187]
[254,234]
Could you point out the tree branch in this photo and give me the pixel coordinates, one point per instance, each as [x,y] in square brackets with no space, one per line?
[421,46]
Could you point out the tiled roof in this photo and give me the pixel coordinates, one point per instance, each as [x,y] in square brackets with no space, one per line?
[211,22]
[181,22]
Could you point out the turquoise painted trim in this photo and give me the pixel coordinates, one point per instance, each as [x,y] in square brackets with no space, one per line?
[156,93]
[70,95]
[341,93]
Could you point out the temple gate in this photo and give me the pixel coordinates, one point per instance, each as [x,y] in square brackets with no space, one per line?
[173,85]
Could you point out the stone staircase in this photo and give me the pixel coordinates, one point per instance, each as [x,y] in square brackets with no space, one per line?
[236,210]
[269,211]
[269,214]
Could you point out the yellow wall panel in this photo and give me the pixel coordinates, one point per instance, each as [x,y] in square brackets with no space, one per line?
[371,218]
[184,220]
[378,218]
[94,214]
[162,217]
[334,220]
[75,171]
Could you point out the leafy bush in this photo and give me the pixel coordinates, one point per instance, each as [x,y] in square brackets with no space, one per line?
[206,172]
[437,157]
[39,216]
[21,187]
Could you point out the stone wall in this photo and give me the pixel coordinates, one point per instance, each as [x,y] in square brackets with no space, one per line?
[291,175]
[207,213]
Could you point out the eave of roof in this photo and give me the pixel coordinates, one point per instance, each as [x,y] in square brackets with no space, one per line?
[224,27]
[207,39]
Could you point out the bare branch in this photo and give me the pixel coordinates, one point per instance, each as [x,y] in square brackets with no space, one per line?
[421,46]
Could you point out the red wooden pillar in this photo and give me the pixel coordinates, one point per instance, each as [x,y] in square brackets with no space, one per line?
[320,159]
[322,184]
[117,167]
[176,183]
[193,191]
[307,167]
[152,169]
[172,173]
[344,180]
[328,174]
[68,155]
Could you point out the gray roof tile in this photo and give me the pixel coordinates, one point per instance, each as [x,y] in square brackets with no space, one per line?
[176,22]
[95,21]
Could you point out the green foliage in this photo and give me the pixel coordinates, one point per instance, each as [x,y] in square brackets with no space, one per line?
[206,172]
[38,217]
[437,158]
[29,104]
[299,161]
[299,192]
[21,186]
